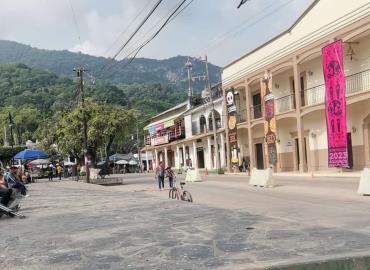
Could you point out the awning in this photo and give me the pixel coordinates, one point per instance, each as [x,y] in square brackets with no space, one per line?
[162,124]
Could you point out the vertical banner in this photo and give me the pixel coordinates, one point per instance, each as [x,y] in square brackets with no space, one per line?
[270,120]
[231,124]
[335,104]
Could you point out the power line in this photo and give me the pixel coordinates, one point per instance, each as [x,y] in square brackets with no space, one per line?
[134,33]
[128,26]
[75,23]
[231,34]
[172,16]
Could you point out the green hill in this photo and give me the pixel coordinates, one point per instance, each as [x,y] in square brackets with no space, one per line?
[141,70]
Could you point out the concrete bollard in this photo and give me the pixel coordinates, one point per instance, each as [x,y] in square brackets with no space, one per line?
[193,175]
[262,178]
[364,185]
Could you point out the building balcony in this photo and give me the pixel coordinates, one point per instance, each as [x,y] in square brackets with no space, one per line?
[355,84]
[284,104]
[241,116]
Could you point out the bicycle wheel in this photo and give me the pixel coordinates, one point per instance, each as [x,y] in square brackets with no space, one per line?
[171,193]
[186,196]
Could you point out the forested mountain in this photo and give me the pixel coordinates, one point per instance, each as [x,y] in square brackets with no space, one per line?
[141,70]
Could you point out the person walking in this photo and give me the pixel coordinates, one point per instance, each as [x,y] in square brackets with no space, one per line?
[160,173]
[59,171]
[50,172]
[170,174]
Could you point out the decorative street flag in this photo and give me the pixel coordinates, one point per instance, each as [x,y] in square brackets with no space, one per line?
[270,120]
[231,124]
[335,104]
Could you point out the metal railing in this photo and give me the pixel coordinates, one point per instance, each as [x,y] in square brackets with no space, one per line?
[256,112]
[241,116]
[355,83]
[284,104]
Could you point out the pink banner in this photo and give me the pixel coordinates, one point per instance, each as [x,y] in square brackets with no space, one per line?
[335,104]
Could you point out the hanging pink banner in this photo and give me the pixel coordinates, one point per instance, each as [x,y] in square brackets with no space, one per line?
[335,104]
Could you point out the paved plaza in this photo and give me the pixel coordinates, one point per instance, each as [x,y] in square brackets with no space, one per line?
[73,225]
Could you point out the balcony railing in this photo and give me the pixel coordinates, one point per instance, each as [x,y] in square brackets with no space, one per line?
[355,83]
[284,104]
[241,116]
[256,112]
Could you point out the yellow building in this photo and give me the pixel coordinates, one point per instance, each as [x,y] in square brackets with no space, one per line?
[294,58]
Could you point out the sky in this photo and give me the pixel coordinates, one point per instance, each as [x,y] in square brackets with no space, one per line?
[96,27]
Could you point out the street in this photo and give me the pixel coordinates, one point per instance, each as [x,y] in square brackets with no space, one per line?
[230,225]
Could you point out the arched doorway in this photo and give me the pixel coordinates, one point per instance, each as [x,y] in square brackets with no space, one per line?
[202,124]
[217,120]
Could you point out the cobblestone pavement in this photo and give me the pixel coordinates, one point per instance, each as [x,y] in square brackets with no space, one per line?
[73,225]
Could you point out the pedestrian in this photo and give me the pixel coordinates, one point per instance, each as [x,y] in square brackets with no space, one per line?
[160,172]
[69,171]
[59,171]
[170,174]
[50,172]
[244,165]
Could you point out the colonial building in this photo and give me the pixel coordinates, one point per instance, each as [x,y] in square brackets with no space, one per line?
[183,135]
[294,58]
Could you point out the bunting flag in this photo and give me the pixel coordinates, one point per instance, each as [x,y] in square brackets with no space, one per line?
[335,104]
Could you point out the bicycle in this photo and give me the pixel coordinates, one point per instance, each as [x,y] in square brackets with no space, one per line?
[180,193]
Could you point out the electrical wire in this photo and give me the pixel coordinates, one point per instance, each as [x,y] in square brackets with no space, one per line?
[133,34]
[128,27]
[171,17]
[231,34]
[75,23]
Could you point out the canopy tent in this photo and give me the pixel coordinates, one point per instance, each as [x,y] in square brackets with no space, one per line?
[30,154]
[122,162]
[68,163]
[39,161]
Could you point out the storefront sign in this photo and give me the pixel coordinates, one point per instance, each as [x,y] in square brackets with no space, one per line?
[160,140]
[232,122]
[270,120]
[335,104]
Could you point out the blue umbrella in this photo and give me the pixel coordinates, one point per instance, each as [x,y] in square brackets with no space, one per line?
[30,154]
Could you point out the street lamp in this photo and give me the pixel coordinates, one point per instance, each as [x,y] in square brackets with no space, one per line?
[137,115]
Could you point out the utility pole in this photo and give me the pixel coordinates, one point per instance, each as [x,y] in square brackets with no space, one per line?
[189,66]
[11,123]
[80,72]
[213,115]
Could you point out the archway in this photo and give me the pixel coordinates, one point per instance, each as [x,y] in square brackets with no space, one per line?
[217,119]
[202,124]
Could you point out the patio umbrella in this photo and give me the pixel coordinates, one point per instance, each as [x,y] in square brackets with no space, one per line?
[39,162]
[122,162]
[30,154]
[132,162]
[100,163]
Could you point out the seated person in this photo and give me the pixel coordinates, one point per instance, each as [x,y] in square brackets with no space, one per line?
[5,192]
[13,181]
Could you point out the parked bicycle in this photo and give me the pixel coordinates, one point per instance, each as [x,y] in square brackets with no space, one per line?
[180,193]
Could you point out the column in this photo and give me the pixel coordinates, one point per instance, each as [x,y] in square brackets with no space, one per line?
[367,145]
[165,157]
[303,164]
[155,165]
[209,151]
[252,162]
[147,161]
[195,158]
[177,160]
[222,150]
[184,154]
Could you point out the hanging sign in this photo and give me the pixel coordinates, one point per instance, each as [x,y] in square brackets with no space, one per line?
[269,117]
[232,122]
[335,104]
